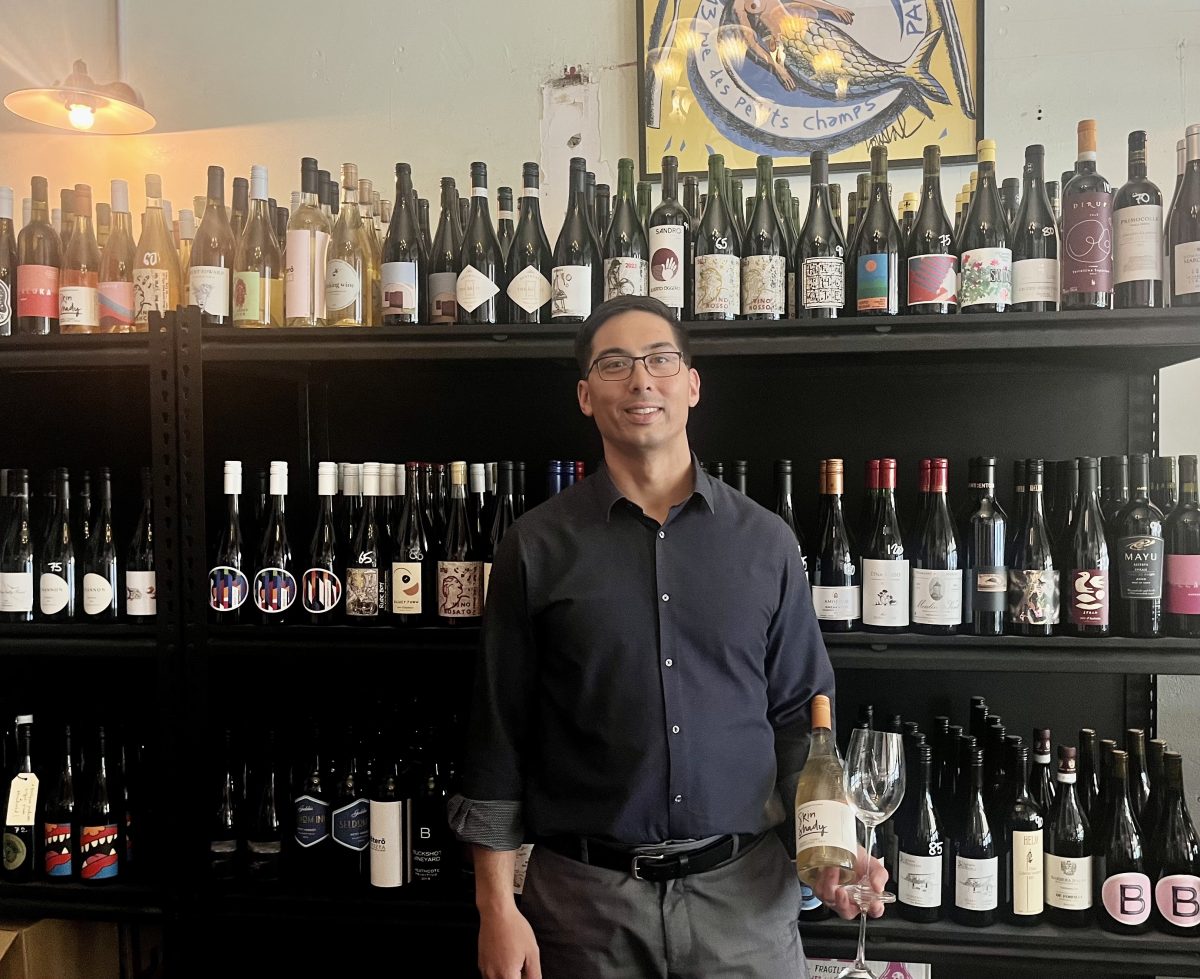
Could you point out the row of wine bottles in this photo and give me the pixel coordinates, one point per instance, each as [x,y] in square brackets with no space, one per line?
[64,564]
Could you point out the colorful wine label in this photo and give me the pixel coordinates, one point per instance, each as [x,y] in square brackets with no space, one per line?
[625,277]
[1127,898]
[311,820]
[1138,236]
[406,587]
[1087,243]
[1182,589]
[666,243]
[362,592]
[1177,897]
[876,283]
[1141,568]
[321,590]
[37,291]
[764,285]
[975,883]
[1032,597]
[823,283]
[274,590]
[98,852]
[460,589]
[1088,600]
[228,588]
[116,304]
[718,284]
[571,290]
[986,277]
[932,279]
[58,849]
[6,309]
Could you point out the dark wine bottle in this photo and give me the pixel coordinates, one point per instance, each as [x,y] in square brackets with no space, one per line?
[1033,599]
[1087,260]
[1069,848]
[350,821]
[1176,847]
[56,563]
[101,836]
[833,569]
[481,281]
[141,584]
[791,231]
[976,874]
[478,511]
[931,247]
[983,540]
[390,815]
[274,581]
[312,852]
[820,255]
[878,252]
[264,826]
[937,578]
[228,586]
[765,253]
[1086,560]
[321,588]
[414,571]
[1181,533]
[404,259]
[577,282]
[1020,494]
[8,262]
[60,828]
[921,843]
[505,225]
[1010,198]
[460,564]
[503,518]
[1042,784]
[885,575]
[444,259]
[1137,217]
[733,192]
[100,585]
[1054,194]
[783,504]
[224,861]
[367,598]
[624,241]
[986,244]
[1114,486]
[737,476]
[530,261]
[604,210]
[1125,893]
[1137,540]
[717,281]
[22,810]
[1139,778]
[1089,774]
[1063,503]
[669,245]
[39,259]
[1184,231]
[1156,748]
[1022,825]
[1164,483]
[432,841]
[1035,272]
[16,553]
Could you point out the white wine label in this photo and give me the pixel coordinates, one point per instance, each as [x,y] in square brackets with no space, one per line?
[624,277]
[920,880]
[53,593]
[304,283]
[1127,897]
[1028,864]
[443,302]
[208,288]
[474,288]
[487,577]
[1185,273]
[764,284]
[1035,280]
[571,290]
[823,283]
[1137,243]
[228,588]
[311,820]
[274,590]
[529,289]
[401,291]
[885,592]
[352,825]
[825,822]
[22,800]
[16,591]
[718,284]
[460,589]
[320,590]
[97,593]
[1177,897]
[406,587]
[986,277]
[151,293]
[975,884]
[343,285]
[1069,882]
[78,306]
[141,595]
[838,602]
[936,597]
[666,244]
[1141,573]
[1033,597]
[387,843]
[362,592]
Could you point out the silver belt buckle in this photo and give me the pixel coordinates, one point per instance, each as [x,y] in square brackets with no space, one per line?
[644,856]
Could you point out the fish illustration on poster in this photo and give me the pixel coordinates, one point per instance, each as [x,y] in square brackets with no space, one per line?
[786,77]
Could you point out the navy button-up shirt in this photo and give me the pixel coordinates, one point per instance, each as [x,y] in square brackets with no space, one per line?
[641,683]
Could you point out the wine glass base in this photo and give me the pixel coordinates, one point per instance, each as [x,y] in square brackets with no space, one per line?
[850,972]
[863,894]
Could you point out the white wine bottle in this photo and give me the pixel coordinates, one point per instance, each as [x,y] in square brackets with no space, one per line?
[825,832]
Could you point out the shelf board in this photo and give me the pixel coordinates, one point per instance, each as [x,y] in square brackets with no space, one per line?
[300,639]
[115,902]
[408,905]
[88,351]
[78,639]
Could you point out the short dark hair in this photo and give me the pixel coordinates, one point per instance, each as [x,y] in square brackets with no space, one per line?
[626,304]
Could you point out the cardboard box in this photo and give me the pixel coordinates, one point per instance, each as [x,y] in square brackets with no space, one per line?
[828,968]
[51,948]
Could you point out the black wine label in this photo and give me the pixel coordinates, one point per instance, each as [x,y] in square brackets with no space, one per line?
[311,819]
[1141,574]
[986,589]
[352,825]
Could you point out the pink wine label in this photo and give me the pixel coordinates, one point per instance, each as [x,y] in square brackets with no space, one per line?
[1088,598]
[116,304]
[932,279]
[1183,584]
[1177,898]
[1127,898]
[37,291]
[1087,260]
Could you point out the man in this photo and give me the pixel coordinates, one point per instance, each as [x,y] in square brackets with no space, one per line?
[641,708]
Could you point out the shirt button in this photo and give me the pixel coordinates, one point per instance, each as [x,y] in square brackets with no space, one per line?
[666,597]
[670,662]
[675,729]
[662,535]
[679,798]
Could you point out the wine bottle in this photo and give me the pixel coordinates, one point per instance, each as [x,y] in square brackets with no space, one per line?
[764,268]
[1033,599]
[505,225]
[783,504]
[920,848]
[1086,560]
[22,810]
[820,256]
[310,820]
[404,260]
[624,242]
[669,245]
[239,210]
[274,582]
[976,871]
[1184,227]
[306,253]
[836,592]
[986,244]
[56,562]
[1176,850]
[157,280]
[1063,503]
[39,258]
[503,518]
[228,586]
[1125,894]
[16,554]
[1069,848]
[1137,216]
[1010,198]
[1156,748]
[1089,774]
[791,231]
[141,591]
[349,267]
[367,596]
[223,856]
[350,821]
[460,567]
[1164,484]
[101,837]
[390,816]
[432,842]
[321,588]
[983,537]
[734,198]
[257,263]
[8,262]
[185,233]
[213,256]
[1139,778]
[826,838]
[1137,533]
[1181,534]
[60,835]
[1114,485]
[530,260]
[878,250]
[350,502]
[576,279]
[1035,245]
[481,280]
[717,283]
[414,572]
[98,566]
[1042,783]
[1087,266]
[885,575]
[79,283]
[264,826]
[937,578]
[931,247]
[387,502]
[1022,826]
[116,266]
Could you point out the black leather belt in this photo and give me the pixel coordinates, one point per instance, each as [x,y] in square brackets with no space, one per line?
[654,867]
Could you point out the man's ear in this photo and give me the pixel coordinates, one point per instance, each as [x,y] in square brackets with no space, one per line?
[585,398]
[693,387]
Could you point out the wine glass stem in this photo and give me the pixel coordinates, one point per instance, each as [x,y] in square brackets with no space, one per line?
[861,961]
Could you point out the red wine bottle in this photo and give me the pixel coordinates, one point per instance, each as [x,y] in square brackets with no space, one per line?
[1139,777]
[1137,532]
[101,836]
[1022,826]
[937,578]
[1177,858]
[1087,259]
[1156,748]
[503,518]
[56,562]
[141,580]
[1069,849]
[60,828]
[228,586]
[836,591]
[459,593]
[367,583]
[16,553]
[530,260]
[783,503]
[576,284]
[481,281]
[1184,231]
[921,846]
[1125,891]
[274,587]
[976,871]
[985,584]
[1089,774]
[820,256]
[669,237]
[1181,532]
[886,574]
[623,241]
[1042,784]
[1033,600]
[22,811]
[717,283]
[1138,235]
[414,568]
[1114,486]
[931,248]
[1087,584]
[1035,245]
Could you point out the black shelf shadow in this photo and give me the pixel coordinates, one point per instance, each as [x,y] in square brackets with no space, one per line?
[111,902]
[75,351]
[119,640]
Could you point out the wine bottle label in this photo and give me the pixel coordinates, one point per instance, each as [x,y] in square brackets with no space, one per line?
[311,820]
[718,284]
[97,593]
[352,825]
[837,602]
[78,306]
[1137,237]
[932,279]
[474,288]
[1177,897]
[825,822]
[228,588]
[37,290]
[428,851]
[98,851]
[975,886]
[304,281]
[876,283]
[487,577]
[343,286]
[791,295]
[1088,597]
[1069,882]
[116,304]
[362,592]
[764,285]
[406,587]
[936,597]
[22,800]
[1033,597]
[58,849]
[1141,574]
[15,851]
[1127,897]
[247,298]
[208,288]
[151,293]
[274,590]
[920,880]
[401,291]
[460,589]
[986,277]
[16,591]
[571,290]
[823,283]
[987,589]
[141,593]
[666,244]
[1185,271]
[262,859]
[625,277]
[388,843]
[6,309]
[504,216]
[53,593]
[1028,872]
[1087,243]
[321,590]
[1182,585]
[885,592]
[443,304]
[529,289]
[1035,280]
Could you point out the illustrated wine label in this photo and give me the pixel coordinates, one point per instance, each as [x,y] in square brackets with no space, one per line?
[406,587]
[932,279]
[529,289]
[1185,270]
[825,822]
[460,589]
[666,244]
[274,590]
[352,825]
[320,591]
[625,277]
[1141,573]
[15,851]
[141,593]
[54,592]
[1127,898]
[1177,897]
[1088,598]
[885,592]
[1182,592]
[1035,280]
[986,590]
[571,290]
[1138,236]
[6,309]
[58,849]
[37,291]
[823,283]
[16,591]
[151,292]
[304,280]
[986,277]
[876,283]
[311,820]
[474,288]
[97,593]
[1033,597]
[443,301]
[208,288]
[718,284]
[837,602]
[388,843]
[228,588]
[78,306]
[362,591]
[1069,882]
[1087,240]
[920,880]
[98,852]
[343,287]
[401,291]
[975,884]
[936,596]
[1028,872]
[116,304]
[764,285]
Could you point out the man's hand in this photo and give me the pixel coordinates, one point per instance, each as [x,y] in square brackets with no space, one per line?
[507,948]
[827,889]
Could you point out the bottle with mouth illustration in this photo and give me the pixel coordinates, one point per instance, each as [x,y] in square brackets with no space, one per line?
[100,836]
[60,837]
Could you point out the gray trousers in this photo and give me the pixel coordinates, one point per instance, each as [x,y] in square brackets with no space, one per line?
[737,921]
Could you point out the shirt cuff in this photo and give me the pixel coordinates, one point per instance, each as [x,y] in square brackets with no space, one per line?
[494,824]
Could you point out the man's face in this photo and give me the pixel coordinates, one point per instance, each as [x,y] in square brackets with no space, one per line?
[641,413]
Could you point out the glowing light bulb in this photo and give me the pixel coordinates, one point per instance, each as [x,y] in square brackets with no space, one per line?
[81,116]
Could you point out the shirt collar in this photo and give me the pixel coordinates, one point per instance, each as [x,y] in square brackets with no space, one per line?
[609,495]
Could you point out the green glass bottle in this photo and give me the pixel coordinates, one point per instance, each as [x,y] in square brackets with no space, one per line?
[625,251]
[718,252]
[764,253]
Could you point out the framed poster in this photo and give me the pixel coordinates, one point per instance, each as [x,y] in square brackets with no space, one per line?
[786,77]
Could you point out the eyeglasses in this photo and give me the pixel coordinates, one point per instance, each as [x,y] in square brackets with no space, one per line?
[618,367]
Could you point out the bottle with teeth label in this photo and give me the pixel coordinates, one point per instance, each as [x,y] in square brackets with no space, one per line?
[99,833]
[60,846]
